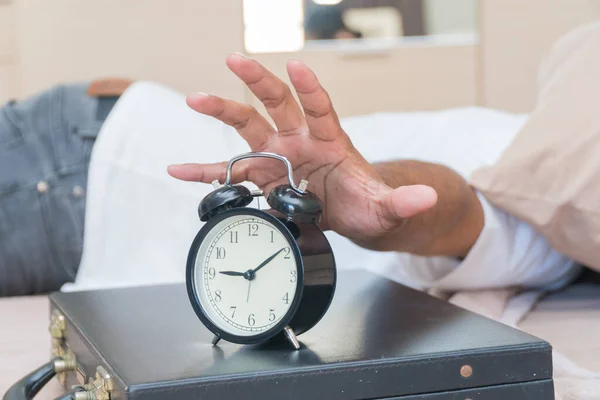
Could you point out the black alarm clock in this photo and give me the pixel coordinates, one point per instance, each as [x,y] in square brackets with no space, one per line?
[256,275]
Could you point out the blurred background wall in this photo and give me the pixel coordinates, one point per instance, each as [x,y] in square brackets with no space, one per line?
[413,54]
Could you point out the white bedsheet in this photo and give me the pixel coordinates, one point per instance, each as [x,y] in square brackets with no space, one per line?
[140,222]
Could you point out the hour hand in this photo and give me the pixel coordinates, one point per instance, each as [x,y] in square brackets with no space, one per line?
[232,273]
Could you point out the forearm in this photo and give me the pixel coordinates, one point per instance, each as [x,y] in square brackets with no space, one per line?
[451,227]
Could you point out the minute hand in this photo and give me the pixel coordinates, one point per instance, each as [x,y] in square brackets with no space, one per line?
[268,260]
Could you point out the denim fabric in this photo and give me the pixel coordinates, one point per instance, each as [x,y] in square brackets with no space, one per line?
[45,146]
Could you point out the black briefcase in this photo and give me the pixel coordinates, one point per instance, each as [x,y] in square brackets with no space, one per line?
[379,340]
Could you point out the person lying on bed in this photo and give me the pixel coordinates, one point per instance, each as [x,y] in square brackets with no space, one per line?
[424,209]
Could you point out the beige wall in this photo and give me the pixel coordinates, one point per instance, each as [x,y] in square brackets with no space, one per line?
[515,35]
[183,43]
[179,43]
[402,78]
[8,88]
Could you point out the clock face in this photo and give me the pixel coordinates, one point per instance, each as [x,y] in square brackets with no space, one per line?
[246,274]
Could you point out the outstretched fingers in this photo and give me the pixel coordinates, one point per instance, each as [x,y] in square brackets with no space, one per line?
[275,95]
[323,122]
[252,126]
[208,173]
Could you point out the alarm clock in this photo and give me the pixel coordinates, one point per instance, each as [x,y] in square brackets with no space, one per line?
[258,275]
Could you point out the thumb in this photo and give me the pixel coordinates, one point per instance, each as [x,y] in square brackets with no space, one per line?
[406,201]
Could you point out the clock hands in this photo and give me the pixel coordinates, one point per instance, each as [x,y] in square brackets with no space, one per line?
[250,274]
[232,273]
[248,295]
[268,260]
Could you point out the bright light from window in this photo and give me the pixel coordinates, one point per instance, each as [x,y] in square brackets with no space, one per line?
[273,25]
[327,2]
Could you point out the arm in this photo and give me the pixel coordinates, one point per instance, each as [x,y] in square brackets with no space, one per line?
[450,228]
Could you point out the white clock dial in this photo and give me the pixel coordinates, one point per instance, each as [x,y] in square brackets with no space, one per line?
[246,275]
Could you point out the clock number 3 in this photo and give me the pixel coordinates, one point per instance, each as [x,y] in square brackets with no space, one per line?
[293,276]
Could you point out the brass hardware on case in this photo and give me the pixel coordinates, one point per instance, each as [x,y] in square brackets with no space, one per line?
[67,361]
[98,388]
[466,371]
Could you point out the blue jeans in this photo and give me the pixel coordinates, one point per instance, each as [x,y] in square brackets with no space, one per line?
[45,147]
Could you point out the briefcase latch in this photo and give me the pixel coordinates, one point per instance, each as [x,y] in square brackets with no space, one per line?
[67,361]
[98,388]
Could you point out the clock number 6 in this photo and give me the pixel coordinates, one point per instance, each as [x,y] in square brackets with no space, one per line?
[251,320]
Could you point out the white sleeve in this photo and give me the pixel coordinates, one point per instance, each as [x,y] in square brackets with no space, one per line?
[507,253]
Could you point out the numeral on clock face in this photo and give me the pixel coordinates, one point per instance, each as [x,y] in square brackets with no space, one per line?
[252,229]
[250,275]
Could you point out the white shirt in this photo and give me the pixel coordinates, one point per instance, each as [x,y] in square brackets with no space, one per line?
[140,222]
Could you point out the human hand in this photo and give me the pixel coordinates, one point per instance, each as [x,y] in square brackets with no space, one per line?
[357,203]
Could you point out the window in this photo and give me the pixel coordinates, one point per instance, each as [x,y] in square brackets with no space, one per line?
[273,25]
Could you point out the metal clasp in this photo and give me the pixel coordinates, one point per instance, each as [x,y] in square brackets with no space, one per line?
[300,189]
[66,358]
[99,388]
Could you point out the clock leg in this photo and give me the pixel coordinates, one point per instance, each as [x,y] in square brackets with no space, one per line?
[216,339]
[291,337]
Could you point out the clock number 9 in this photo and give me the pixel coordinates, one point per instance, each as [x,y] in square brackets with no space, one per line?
[211,273]
[293,276]
[251,320]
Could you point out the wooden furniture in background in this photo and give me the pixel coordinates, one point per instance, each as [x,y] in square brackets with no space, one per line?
[406,77]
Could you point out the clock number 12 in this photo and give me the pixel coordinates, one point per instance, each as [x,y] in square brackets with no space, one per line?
[253,230]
